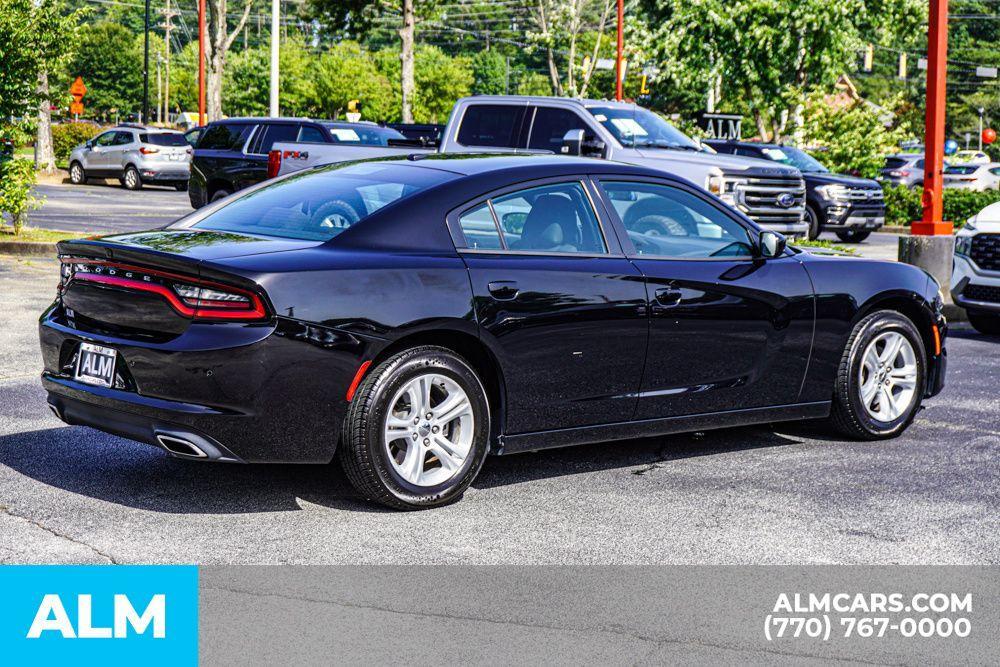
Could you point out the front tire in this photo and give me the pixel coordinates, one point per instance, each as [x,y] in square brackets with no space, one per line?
[853,235]
[219,194]
[77,175]
[985,323]
[881,379]
[131,178]
[181,187]
[417,430]
[812,219]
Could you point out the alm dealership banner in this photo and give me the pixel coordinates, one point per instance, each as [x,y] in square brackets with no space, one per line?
[265,615]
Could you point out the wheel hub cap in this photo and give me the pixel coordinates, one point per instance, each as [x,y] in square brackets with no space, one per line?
[429,429]
[888,376]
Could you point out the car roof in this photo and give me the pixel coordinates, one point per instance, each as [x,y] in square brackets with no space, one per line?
[548,99]
[465,164]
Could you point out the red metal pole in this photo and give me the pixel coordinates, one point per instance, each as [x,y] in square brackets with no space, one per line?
[621,45]
[937,63]
[201,62]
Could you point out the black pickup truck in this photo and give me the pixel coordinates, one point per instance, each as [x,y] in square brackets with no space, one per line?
[849,206]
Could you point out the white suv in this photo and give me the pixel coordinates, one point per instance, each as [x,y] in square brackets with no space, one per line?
[975,281]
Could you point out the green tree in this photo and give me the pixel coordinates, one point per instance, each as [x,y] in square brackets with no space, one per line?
[440,80]
[489,73]
[348,72]
[248,76]
[850,139]
[18,58]
[109,60]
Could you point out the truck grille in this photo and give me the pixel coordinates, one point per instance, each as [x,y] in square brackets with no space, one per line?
[984,293]
[760,198]
[985,251]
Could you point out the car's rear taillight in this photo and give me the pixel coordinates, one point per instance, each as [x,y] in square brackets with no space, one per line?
[148,151]
[273,163]
[191,297]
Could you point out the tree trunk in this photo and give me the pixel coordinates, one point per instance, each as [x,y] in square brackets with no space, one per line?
[217,44]
[761,123]
[406,61]
[45,157]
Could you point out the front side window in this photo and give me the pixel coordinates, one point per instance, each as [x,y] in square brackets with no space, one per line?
[319,205]
[550,127]
[665,221]
[554,218]
[105,139]
[491,125]
[224,136]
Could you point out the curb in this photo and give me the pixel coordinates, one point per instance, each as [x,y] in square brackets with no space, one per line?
[28,248]
[899,230]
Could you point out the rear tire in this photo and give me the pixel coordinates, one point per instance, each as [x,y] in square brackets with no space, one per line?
[878,391]
[219,194]
[131,178]
[77,174]
[985,323]
[394,453]
[853,235]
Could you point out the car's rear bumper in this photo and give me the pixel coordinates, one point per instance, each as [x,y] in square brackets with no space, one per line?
[238,393]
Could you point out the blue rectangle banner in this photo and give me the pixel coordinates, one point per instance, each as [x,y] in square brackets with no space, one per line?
[93,614]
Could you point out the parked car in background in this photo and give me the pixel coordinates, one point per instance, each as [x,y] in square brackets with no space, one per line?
[851,207]
[972,176]
[905,169]
[134,154]
[413,316]
[773,195]
[970,157]
[232,154]
[975,279]
[427,133]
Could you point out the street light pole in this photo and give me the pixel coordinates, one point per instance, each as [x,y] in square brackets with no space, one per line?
[930,245]
[275,45]
[145,68]
[621,45]
[201,62]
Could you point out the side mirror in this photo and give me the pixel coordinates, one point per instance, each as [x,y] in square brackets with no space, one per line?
[572,143]
[89,144]
[772,244]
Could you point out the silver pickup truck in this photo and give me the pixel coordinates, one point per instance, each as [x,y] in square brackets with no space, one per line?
[772,195]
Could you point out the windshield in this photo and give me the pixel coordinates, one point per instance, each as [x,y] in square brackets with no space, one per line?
[362,135]
[639,128]
[794,157]
[318,205]
[164,139]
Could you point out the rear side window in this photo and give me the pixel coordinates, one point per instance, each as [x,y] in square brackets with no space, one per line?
[496,125]
[551,125]
[318,205]
[122,139]
[271,134]
[163,139]
[224,137]
[480,229]
[312,134]
[960,169]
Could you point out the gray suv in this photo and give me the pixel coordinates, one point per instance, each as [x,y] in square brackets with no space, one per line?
[906,169]
[135,155]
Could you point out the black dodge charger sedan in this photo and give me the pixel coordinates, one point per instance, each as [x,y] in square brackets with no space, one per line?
[413,315]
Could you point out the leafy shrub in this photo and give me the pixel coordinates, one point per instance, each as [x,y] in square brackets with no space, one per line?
[67,136]
[903,205]
[848,139]
[16,179]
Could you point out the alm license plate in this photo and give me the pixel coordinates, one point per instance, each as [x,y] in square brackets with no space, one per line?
[96,365]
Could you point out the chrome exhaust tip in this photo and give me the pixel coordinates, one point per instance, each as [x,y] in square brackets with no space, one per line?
[181,447]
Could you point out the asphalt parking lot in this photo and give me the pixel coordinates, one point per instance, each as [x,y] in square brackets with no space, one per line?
[788,494]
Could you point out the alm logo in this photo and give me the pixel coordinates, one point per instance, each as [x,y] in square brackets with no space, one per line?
[51,617]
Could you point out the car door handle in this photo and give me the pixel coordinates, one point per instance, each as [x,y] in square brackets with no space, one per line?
[503,290]
[668,296]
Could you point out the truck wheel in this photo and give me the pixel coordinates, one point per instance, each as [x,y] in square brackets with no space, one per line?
[219,194]
[985,323]
[853,235]
[880,381]
[812,219]
[417,430]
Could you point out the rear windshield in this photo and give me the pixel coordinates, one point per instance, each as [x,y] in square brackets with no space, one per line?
[363,135]
[318,205]
[961,169]
[163,139]
[894,162]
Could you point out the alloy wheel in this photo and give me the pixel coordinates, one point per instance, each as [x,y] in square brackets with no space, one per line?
[131,178]
[429,430]
[888,376]
[76,174]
